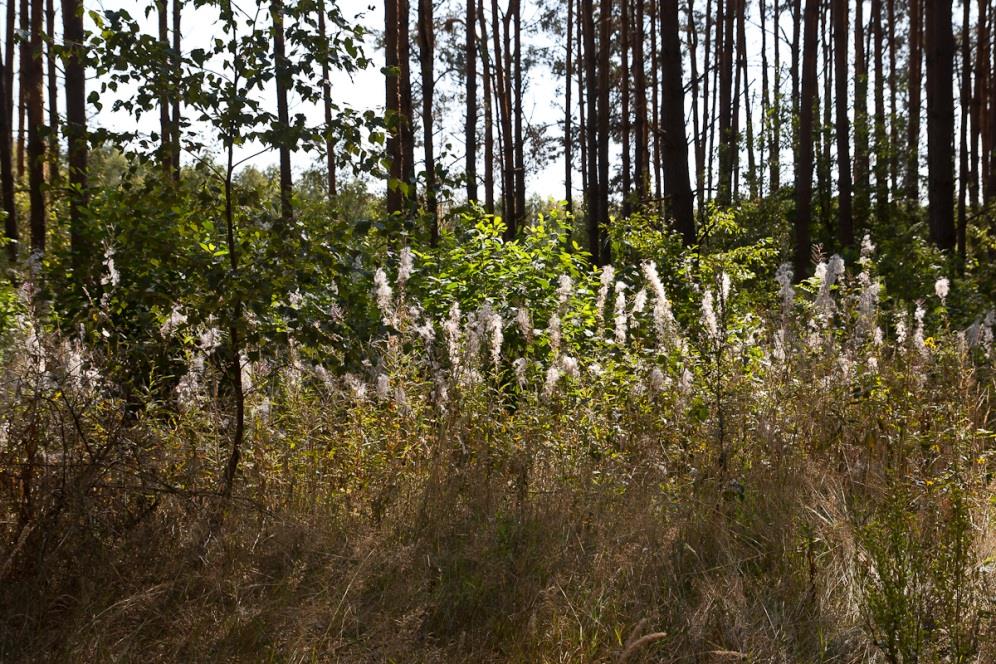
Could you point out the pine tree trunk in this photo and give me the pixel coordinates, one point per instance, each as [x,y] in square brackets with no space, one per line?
[36,126]
[965,94]
[940,122]
[282,79]
[53,94]
[775,158]
[520,137]
[675,142]
[426,52]
[165,119]
[392,79]
[642,153]
[75,129]
[7,165]
[624,99]
[845,222]
[489,135]
[176,67]
[882,147]
[592,199]
[862,164]
[912,184]
[727,138]
[604,114]
[330,167]
[804,167]
[470,78]
[697,141]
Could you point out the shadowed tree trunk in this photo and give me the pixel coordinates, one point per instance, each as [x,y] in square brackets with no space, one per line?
[626,125]
[426,54]
[675,141]
[604,113]
[804,168]
[882,147]
[912,180]
[489,136]
[470,78]
[53,93]
[965,102]
[641,157]
[591,130]
[862,164]
[75,129]
[282,79]
[7,165]
[727,138]
[940,122]
[330,168]
[36,126]
[845,222]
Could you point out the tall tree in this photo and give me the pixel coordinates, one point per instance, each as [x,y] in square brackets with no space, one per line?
[727,135]
[845,222]
[912,181]
[53,92]
[940,122]
[489,136]
[624,100]
[75,129]
[396,192]
[282,81]
[675,143]
[330,165]
[862,161]
[427,55]
[7,164]
[775,158]
[36,125]
[177,65]
[882,147]
[568,109]
[604,115]
[641,155]
[697,141]
[470,80]
[520,138]
[592,199]
[804,167]
[165,73]
[964,102]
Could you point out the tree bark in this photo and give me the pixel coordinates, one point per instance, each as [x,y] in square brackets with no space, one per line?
[6,164]
[568,89]
[882,147]
[862,163]
[604,113]
[282,80]
[912,183]
[330,167]
[675,142]
[727,139]
[489,137]
[940,122]
[641,157]
[804,167]
[427,48]
[845,222]
[75,129]
[470,78]
[624,99]
[965,102]
[36,126]
[592,199]
[53,94]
